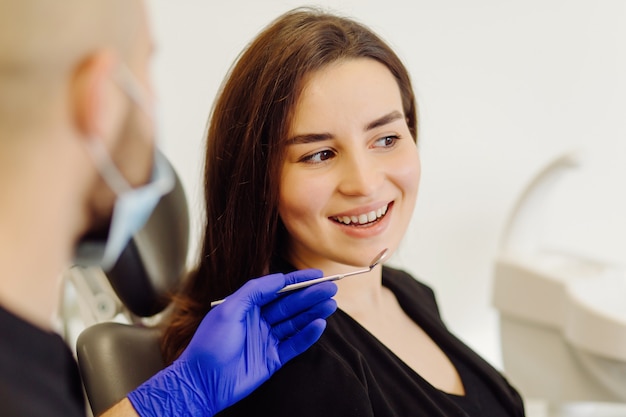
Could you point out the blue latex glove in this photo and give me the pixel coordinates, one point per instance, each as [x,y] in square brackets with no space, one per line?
[238,346]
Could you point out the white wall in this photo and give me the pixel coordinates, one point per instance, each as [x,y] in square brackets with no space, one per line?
[503,87]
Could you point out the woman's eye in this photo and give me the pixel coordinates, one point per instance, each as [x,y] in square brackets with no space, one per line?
[318,157]
[386,141]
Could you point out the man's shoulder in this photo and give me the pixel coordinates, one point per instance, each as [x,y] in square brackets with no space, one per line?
[38,374]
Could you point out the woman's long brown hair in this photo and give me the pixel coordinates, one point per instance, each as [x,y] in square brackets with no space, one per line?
[244,153]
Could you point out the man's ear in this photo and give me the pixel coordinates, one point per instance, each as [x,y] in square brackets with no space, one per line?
[94,94]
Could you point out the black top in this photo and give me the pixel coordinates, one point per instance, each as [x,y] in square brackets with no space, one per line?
[351,373]
[38,374]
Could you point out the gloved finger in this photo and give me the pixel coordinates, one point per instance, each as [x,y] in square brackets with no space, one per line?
[298,301]
[290,327]
[254,293]
[301,341]
[302,275]
[261,291]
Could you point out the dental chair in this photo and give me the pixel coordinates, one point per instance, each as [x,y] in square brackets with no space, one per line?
[562,314]
[115,357]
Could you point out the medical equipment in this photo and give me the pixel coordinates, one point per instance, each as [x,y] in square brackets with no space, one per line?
[562,314]
[119,349]
[377,259]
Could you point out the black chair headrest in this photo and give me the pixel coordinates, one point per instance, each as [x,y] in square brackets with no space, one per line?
[153,264]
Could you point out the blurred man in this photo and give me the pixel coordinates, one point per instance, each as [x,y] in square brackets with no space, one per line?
[76,146]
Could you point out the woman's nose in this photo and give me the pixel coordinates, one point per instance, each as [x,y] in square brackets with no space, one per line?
[360,175]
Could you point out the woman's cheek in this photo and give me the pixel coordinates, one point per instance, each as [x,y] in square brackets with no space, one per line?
[300,192]
[407,171]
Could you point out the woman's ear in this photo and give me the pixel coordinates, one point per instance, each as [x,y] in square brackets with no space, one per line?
[94,104]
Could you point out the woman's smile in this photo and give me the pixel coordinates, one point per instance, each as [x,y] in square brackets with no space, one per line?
[362,217]
[368,225]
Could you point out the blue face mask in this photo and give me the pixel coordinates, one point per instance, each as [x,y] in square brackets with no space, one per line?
[133,206]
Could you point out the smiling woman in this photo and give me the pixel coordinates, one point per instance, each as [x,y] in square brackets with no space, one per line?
[312,162]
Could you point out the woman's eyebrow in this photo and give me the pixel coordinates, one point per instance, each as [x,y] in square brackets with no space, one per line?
[320,137]
[386,119]
[309,138]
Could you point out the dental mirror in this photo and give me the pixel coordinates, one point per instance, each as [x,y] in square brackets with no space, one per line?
[377,259]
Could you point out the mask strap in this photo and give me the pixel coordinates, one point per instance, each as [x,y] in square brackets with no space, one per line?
[105,165]
[126,80]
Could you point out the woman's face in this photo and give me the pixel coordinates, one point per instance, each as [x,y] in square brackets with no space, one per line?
[351,173]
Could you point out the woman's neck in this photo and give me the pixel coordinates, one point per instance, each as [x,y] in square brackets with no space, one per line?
[360,293]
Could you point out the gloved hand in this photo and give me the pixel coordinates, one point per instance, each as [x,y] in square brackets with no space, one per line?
[238,346]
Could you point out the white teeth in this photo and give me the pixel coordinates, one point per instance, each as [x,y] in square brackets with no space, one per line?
[363,218]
